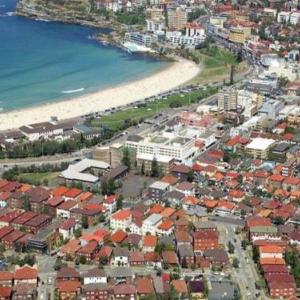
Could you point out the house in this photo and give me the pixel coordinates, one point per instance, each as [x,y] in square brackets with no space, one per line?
[94,276]
[68,289]
[152,259]
[110,202]
[264,233]
[216,257]
[149,243]
[121,219]
[144,287]
[278,289]
[197,289]
[271,251]
[52,204]
[26,275]
[187,188]
[5,292]
[63,210]
[24,291]
[121,257]
[151,223]
[89,251]
[158,190]
[186,255]
[170,258]
[6,278]
[67,274]
[124,291]
[136,258]
[222,290]
[180,288]
[181,172]
[66,229]
[189,202]
[121,275]
[182,238]
[118,236]
[165,227]
[206,240]
[93,291]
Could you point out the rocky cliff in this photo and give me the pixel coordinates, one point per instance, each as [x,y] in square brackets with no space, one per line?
[68,11]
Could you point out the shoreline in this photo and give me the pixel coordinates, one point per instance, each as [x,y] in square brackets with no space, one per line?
[178,73]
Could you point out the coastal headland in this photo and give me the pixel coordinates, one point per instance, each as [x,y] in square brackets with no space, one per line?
[176,74]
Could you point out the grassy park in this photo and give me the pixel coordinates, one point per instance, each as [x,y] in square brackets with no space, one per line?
[116,121]
[51,178]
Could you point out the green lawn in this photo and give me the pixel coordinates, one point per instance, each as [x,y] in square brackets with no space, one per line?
[116,121]
[39,178]
[216,64]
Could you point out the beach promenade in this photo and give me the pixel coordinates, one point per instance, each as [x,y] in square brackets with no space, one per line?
[173,76]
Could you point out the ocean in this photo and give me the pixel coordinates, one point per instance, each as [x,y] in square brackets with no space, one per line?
[43,62]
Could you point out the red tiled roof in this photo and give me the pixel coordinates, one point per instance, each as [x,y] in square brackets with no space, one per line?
[26,273]
[60,191]
[119,236]
[73,193]
[6,276]
[68,224]
[180,286]
[150,241]
[68,286]
[5,292]
[144,286]
[121,215]
[276,178]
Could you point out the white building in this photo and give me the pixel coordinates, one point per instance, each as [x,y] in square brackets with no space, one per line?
[164,144]
[177,38]
[271,109]
[121,220]
[283,17]
[151,223]
[94,276]
[155,25]
[295,17]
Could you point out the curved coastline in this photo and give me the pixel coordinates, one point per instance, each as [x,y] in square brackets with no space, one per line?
[178,73]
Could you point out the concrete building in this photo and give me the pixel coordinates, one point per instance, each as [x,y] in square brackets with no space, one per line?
[239,34]
[112,154]
[259,147]
[283,17]
[271,109]
[227,99]
[177,18]
[158,190]
[151,223]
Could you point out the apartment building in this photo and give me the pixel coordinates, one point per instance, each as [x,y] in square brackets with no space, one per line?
[177,18]
[227,99]
[259,147]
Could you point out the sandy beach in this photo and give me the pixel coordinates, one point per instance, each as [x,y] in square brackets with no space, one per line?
[173,76]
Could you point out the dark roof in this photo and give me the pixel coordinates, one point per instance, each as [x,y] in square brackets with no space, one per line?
[38,220]
[185,250]
[175,195]
[95,273]
[67,272]
[95,287]
[118,171]
[197,286]
[134,138]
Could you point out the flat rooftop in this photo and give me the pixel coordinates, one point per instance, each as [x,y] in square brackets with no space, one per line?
[260,144]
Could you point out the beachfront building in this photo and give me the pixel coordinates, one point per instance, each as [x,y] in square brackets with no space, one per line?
[177,38]
[165,145]
[86,171]
[177,18]
[155,25]
[43,130]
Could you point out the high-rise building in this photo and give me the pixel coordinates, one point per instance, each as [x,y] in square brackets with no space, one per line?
[227,99]
[177,18]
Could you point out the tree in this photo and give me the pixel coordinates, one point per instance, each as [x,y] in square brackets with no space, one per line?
[101,218]
[111,186]
[82,260]
[126,158]
[104,187]
[120,202]
[85,221]
[244,244]
[235,263]
[190,176]
[103,260]
[230,247]
[154,168]
[58,264]
[255,254]
[77,233]
[26,203]
[143,168]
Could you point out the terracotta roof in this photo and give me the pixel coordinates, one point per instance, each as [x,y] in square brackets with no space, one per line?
[85,196]
[6,276]
[105,251]
[169,179]
[291,181]
[167,212]
[67,272]
[26,273]
[182,236]
[276,178]
[179,286]
[67,205]
[124,289]
[136,256]
[152,257]
[271,249]
[68,286]
[181,169]
[185,186]
[156,209]
[121,215]
[150,241]
[144,286]
[5,292]
[272,261]
[70,247]
[190,200]
[55,201]
[166,225]
[170,257]
[68,224]
[60,191]
[119,236]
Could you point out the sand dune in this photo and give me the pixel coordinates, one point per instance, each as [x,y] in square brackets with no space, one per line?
[175,75]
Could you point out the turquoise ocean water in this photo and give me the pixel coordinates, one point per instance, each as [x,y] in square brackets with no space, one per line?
[43,62]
